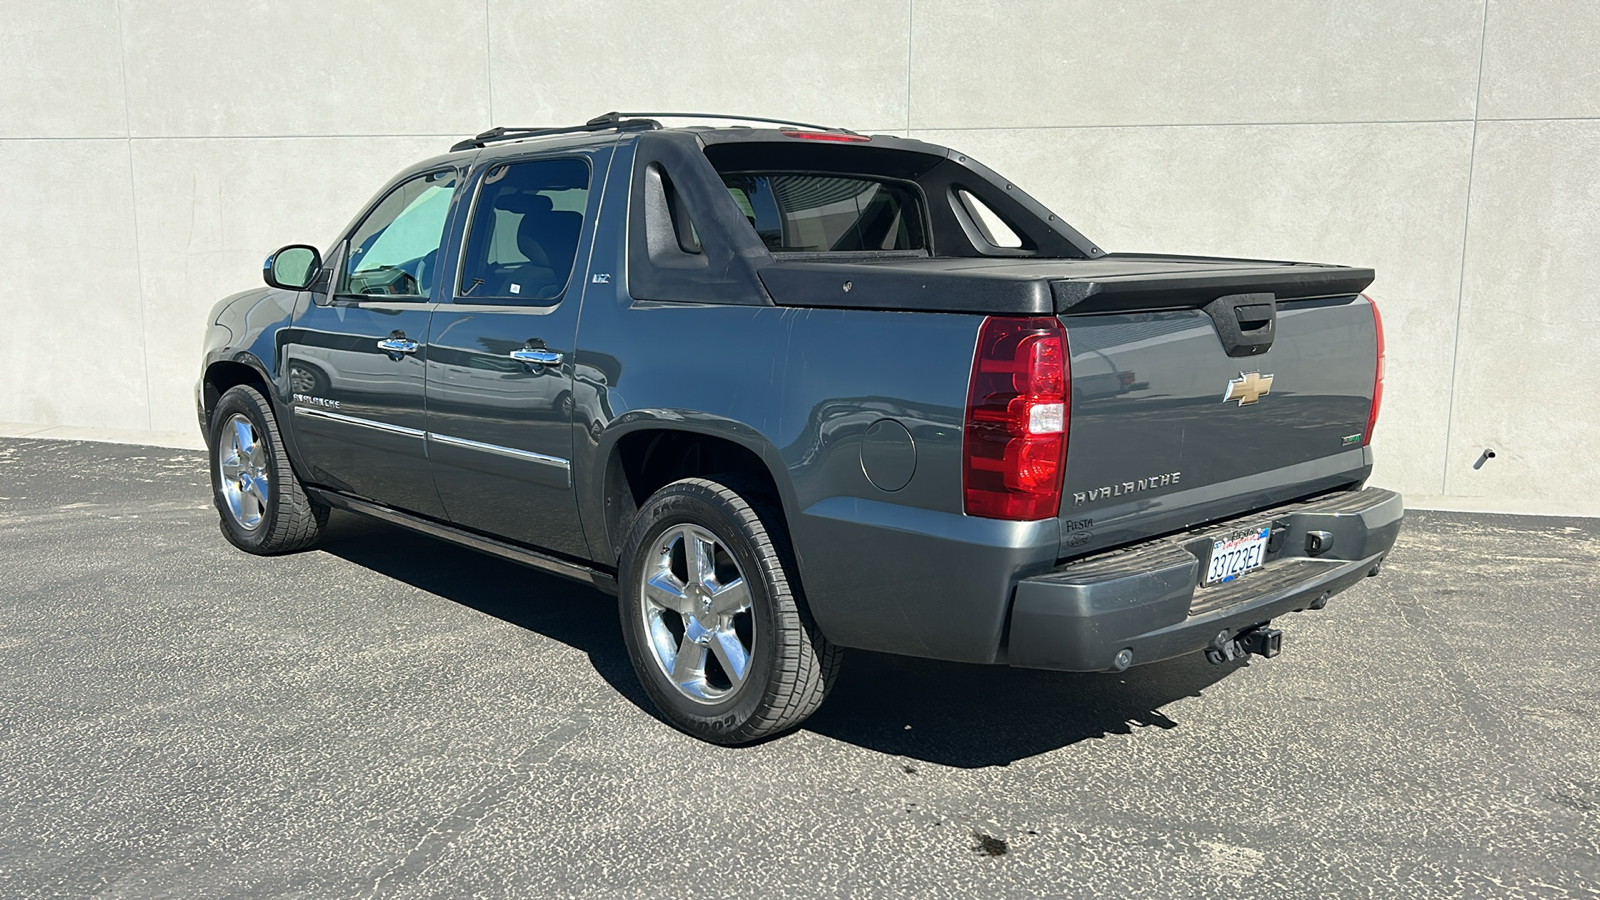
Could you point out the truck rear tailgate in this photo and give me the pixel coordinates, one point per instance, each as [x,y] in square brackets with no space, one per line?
[1168,430]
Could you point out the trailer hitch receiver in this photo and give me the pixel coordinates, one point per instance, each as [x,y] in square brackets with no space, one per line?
[1260,640]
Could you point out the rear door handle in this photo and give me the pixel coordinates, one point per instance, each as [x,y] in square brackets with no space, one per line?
[537,356]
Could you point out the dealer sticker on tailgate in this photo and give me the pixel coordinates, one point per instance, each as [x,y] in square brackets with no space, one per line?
[1237,555]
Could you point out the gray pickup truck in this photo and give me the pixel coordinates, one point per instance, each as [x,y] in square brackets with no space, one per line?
[786,390]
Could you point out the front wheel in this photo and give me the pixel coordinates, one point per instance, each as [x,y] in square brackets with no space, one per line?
[713,617]
[263,507]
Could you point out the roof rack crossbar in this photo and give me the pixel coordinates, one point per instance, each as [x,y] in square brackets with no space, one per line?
[619,116]
[496,135]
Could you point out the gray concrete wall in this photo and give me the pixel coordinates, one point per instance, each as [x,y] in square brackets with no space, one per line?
[156,151]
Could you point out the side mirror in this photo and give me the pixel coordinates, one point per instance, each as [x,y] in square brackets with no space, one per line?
[291,268]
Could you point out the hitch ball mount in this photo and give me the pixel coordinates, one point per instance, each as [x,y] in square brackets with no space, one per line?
[1260,640]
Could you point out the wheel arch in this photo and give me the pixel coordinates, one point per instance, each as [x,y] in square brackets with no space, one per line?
[650,453]
[222,374]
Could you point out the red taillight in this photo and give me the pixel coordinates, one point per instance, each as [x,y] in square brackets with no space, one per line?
[1377,379]
[842,137]
[1015,443]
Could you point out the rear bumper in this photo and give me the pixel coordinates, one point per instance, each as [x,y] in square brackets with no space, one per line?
[1148,599]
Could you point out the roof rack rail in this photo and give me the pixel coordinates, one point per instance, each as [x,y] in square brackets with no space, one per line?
[496,135]
[627,121]
[614,117]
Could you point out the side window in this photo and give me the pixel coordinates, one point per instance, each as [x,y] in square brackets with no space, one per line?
[525,228]
[990,225]
[394,251]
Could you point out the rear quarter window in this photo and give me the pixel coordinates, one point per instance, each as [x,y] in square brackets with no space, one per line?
[802,212]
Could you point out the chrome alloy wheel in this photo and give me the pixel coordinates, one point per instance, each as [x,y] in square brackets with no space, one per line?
[242,471]
[697,614]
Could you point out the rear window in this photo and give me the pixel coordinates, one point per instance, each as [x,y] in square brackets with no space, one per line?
[825,213]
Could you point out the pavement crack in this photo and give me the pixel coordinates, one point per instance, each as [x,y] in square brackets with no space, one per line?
[475,808]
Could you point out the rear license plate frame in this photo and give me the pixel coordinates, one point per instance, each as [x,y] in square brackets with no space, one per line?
[1248,550]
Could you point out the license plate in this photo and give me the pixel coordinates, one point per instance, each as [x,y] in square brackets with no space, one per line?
[1237,555]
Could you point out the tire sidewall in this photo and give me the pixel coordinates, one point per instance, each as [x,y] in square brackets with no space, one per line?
[692,504]
[249,404]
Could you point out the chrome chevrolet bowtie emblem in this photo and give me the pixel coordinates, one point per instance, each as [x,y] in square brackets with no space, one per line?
[1248,388]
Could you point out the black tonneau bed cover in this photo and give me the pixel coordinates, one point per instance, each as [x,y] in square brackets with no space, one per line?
[1022,286]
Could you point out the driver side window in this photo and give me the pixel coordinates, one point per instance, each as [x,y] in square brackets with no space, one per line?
[394,251]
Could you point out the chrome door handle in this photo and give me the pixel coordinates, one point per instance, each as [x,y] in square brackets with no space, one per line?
[397,345]
[536,356]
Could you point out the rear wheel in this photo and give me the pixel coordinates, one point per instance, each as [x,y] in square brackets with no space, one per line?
[263,507]
[713,617]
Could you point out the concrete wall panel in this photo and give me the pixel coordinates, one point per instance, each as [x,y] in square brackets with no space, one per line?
[60,70]
[1391,197]
[305,67]
[1528,376]
[1081,62]
[73,351]
[827,62]
[1539,59]
[211,210]
[165,148]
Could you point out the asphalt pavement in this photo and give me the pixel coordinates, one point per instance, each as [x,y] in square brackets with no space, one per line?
[389,716]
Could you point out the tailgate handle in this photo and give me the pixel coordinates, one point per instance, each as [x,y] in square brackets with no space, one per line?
[1254,317]
[1246,323]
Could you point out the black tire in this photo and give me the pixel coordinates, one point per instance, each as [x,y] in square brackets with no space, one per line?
[791,666]
[286,519]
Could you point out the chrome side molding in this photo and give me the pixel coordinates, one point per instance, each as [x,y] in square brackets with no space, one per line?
[314,413]
[510,452]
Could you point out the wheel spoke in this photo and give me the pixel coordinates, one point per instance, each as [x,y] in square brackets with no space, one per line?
[257,487]
[689,663]
[666,591]
[698,554]
[662,643]
[731,653]
[243,439]
[258,456]
[249,507]
[732,598]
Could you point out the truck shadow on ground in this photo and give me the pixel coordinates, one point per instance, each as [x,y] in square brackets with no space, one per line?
[951,714]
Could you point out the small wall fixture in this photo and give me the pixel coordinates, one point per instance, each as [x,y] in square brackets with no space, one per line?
[1483,457]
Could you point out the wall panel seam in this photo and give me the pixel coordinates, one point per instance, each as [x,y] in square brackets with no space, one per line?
[488,62]
[1193,125]
[133,215]
[1461,276]
[911,11]
[242,137]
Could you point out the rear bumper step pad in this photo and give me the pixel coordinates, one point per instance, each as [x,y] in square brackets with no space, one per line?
[1148,601]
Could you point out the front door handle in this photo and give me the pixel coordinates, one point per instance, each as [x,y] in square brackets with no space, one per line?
[537,356]
[397,343]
